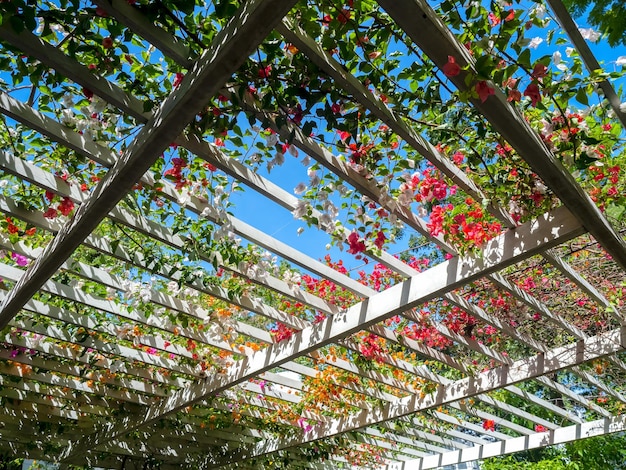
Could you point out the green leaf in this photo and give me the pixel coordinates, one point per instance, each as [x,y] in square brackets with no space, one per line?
[524,59]
[581,97]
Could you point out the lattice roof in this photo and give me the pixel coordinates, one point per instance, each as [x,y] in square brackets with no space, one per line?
[138,329]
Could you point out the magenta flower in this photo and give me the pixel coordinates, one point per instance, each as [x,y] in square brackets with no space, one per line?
[19,259]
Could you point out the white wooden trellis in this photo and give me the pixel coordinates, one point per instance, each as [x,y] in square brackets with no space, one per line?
[209,74]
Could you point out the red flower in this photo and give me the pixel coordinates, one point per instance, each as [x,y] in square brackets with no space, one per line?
[356,244]
[107,42]
[66,206]
[344,15]
[336,108]
[12,228]
[484,90]
[281,332]
[451,69]
[380,240]
[88,93]
[540,428]
[539,71]
[489,425]
[532,91]
[178,79]
[514,96]
[51,213]
[265,72]
[510,16]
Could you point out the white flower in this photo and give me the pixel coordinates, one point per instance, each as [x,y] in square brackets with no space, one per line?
[279,159]
[67,117]
[422,212]
[300,230]
[556,57]
[68,102]
[300,188]
[569,51]
[293,151]
[534,42]
[589,34]
[622,107]
[306,161]
[331,208]
[272,139]
[315,179]
[301,209]
[172,286]
[540,187]
[621,60]
[184,197]
[540,11]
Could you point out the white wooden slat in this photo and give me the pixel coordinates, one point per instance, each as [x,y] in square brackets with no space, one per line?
[114,308]
[535,304]
[476,428]
[80,373]
[105,347]
[449,443]
[73,384]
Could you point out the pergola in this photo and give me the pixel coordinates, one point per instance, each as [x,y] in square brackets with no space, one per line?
[145,324]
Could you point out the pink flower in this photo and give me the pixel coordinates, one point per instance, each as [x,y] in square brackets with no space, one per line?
[493,19]
[380,240]
[451,69]
[20,260]
[540,428]
[484,90]
[532,91]
[178,79]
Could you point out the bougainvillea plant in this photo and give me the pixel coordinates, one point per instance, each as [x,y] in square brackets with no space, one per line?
[173,289]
